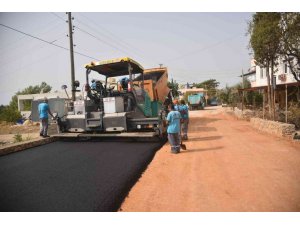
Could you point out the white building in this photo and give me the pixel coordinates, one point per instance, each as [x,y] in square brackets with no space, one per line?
[257,75]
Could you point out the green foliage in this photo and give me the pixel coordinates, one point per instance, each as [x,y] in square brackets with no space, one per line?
[290,31]
[18,138]
[42,88]
[174,86]
[265,37]
[230,95]
[209,85]
[225,94]
[10,113]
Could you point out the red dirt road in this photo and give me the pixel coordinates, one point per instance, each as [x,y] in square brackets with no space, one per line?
[229,166]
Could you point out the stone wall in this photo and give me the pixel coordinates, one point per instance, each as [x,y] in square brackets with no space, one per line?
[272,127]
[246,114]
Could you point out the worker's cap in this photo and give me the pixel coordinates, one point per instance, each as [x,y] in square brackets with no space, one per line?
[45,99]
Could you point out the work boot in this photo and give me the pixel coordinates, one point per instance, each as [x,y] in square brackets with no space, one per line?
[45,136]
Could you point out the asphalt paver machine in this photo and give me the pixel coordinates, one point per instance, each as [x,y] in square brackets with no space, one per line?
[119,109]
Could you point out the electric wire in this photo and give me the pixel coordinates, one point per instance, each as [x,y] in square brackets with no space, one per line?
[40,39]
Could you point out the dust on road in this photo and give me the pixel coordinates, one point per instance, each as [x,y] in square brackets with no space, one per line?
[229,166]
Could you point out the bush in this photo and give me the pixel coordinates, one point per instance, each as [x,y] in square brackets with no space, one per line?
[9,114]
[18,138]
[294,114]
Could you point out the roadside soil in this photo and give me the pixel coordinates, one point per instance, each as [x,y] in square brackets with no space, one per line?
[9,130]
[228,166]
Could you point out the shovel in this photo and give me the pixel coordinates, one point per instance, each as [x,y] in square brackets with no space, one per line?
[182,145]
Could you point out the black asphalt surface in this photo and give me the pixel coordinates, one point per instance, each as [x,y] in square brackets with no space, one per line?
[72,176]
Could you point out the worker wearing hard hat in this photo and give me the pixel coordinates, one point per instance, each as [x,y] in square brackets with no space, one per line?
[43,114]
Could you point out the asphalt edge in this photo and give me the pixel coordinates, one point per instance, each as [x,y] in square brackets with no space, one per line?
[16,147]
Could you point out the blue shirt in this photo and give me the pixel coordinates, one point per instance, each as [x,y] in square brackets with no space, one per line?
[174,122]
[43,110]
[184,111]
[93,86]
[176,107]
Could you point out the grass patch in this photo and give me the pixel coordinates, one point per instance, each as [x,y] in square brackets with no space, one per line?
[18,138]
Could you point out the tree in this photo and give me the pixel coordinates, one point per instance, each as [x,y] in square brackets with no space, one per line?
[265,41]
[224,94]
[209,85]
[174,86]
[290,41]
[42,88]
[10,113]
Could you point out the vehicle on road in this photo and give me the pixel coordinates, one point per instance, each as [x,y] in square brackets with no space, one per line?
[132,107]
[213,102]
[196,101]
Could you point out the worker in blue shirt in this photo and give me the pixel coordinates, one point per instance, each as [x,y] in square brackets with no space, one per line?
[184,111]
[173,122]
[176,104]
[43,114]
[124,83]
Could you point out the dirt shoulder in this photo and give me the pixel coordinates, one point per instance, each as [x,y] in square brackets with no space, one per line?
[8,132]
[229,166]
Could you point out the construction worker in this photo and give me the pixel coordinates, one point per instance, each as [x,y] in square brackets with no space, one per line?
[173,122]
[124,83]
[43,114]
[184,111]
[176,104]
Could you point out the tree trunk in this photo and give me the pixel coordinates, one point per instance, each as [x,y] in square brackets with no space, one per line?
[272,90]
[269,90]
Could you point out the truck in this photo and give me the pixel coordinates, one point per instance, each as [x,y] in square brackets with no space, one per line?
[131,107]
[196,101]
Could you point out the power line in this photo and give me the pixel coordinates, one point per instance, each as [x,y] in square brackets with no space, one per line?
[37,32]
[111,35]
[51,43]
[88,33]
[99,39]
[8,60]
[205,48]
[58,16]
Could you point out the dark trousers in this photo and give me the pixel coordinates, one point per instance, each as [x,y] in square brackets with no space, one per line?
[174,141]
[44,126]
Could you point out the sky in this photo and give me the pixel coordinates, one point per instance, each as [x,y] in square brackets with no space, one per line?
[194,46]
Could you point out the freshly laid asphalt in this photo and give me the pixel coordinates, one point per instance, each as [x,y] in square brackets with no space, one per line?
[72,176]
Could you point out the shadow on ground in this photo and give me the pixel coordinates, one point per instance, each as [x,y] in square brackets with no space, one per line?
[201,129]
[209,138]
[200,150]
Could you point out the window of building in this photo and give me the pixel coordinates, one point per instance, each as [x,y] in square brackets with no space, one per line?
[285,68]
[261,73]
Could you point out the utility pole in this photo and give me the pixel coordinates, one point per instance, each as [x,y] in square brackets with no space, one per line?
[72,56]
[243,91]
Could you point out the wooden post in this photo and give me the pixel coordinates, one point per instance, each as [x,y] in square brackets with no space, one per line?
[263,103]
[286,104]
[243,91]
